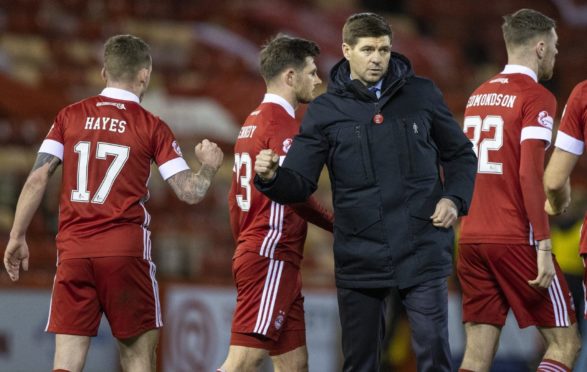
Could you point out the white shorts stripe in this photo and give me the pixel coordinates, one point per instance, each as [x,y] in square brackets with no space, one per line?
[559,303]
[50,304]
[265,298]
[275,229]
[275,289]
[584,300]
[155,285]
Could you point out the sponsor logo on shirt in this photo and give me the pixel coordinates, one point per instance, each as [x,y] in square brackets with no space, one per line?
[118,105]
[176,148]
[499,80]
[545,120]
[287,144]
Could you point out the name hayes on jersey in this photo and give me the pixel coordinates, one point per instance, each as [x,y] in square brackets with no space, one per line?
[105,123]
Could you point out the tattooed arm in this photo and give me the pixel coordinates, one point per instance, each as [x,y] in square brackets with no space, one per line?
[191,187]
[17,251]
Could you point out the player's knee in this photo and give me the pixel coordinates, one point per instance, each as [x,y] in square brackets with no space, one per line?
[568,344]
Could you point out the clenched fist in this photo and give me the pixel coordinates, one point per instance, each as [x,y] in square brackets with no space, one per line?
[266,164]
[208,153]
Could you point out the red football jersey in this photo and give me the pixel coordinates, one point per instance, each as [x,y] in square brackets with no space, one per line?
[260,225]
[572,134]
[503,112]
[107,144]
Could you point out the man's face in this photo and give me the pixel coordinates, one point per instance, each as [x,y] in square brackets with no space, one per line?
[305,81]
[546,65]
[369,58]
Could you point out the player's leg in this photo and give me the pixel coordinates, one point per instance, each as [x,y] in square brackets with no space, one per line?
[482,343]
[74,314]
[243,358]
[70,352]
[295,360]
[426,305]
[129,294]
[485,306]
[562,347]
[139,353]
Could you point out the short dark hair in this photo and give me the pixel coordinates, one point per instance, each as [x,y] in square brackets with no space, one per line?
[525,24]
[125,56]
[365,25]
[284,51]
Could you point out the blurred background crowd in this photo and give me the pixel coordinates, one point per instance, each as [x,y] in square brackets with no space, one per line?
[205,82]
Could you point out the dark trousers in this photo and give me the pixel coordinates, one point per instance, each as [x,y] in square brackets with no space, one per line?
[362,317]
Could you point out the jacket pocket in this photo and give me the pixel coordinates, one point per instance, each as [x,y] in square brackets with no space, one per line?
[360,246]
[350,160]
[421,158]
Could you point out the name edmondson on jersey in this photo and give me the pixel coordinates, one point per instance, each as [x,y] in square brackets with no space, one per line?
[492,99]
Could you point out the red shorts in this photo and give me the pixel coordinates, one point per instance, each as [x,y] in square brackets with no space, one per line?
[494,277]
[123,288]
[269,310]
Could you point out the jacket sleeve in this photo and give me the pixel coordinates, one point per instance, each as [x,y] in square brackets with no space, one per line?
[456,153]
[297,178]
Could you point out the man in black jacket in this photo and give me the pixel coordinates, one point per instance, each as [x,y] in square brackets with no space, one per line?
[401,171]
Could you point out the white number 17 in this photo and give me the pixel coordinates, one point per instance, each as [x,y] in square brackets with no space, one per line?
[103,149]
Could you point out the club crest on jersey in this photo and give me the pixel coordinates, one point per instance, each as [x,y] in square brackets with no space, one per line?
[545,120]
[279,320]
[287,144]
[176,148]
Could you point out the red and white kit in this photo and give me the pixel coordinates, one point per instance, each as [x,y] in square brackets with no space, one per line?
[509,120]
[269,237]
[107,144]
[571,137]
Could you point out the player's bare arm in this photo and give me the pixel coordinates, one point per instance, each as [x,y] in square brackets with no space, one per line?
[266,164]
[17,251]
[191,187]
[556,181]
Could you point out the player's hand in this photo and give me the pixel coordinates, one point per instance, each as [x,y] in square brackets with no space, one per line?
[208,153]
[546,271]
[446,214]
[551,211]
[266,164]
[16,254]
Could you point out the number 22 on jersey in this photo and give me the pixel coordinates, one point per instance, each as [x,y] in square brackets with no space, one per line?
[487,144]
[103,150]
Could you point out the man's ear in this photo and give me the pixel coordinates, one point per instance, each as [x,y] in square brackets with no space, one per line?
[540,49]
[288,77]
[346,49]
[103,74]
[144,75]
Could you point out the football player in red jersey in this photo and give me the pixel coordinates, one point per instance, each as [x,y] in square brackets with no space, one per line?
[505,259]
[569,146]
[269,315]
[106,145]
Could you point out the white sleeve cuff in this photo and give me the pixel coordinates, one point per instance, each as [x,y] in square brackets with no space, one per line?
[569,144]
[538,133]
[172,167]
[52,147]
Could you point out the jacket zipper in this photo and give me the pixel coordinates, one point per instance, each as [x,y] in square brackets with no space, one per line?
[364,157]
[408,145]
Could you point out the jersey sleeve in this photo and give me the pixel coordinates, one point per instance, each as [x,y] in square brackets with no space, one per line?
[53,143]
[537,116]
[167,153]
[571,133]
